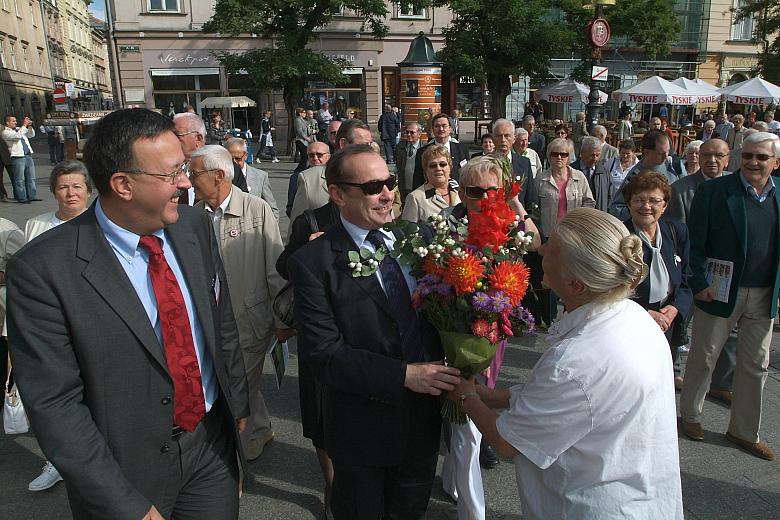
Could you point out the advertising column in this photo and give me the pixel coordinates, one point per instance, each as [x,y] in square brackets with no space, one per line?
[420,84]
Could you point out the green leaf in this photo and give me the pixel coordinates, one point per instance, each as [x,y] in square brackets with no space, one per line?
[354,256]
[366,271]
[379,255]
[365,254]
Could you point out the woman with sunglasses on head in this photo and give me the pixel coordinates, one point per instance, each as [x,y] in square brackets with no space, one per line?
[664,293]
[437,193]
[560,189]
[562,132]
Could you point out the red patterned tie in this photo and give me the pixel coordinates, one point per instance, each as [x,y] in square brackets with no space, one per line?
[189,407]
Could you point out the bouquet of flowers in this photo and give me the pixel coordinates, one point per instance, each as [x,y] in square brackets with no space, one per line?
[470,282]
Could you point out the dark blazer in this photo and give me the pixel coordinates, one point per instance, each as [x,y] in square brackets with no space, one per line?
[401,156]
[93,374]
[681,296]
[350,339]
[458,151]
[239,179]
[300,230]
[389,126]
[599,183]
[682,196]
[537,143]
[521,167]
[718,229]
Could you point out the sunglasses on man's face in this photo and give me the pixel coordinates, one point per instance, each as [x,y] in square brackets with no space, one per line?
[760,157]
[373,187]
[477,192]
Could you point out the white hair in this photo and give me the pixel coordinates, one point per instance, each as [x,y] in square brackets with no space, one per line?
[193,122]
[215,157]
[520,131]
[235,141]
[598,250]
[763,137]
[761,126]
[591,142]
[502,122]
[693,145]
[599,129]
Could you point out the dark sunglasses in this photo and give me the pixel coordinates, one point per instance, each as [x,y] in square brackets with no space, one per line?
[476,192]
[373,187]
[761,157]
[439,164]
[559,154]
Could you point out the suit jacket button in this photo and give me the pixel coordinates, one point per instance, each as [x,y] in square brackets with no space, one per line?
[165,448]
[166,400]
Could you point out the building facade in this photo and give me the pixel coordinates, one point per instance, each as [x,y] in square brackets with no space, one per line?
[25,70]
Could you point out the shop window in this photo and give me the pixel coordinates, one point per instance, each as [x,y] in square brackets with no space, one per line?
[411,10]
[165,6]
[390,86]
[341,98]
[471,99]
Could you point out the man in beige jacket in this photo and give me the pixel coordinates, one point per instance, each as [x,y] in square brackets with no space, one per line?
[250,243]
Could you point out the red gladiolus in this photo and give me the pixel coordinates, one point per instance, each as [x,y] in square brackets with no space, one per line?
[489,226]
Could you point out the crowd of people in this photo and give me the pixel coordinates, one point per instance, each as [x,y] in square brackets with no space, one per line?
[180,259]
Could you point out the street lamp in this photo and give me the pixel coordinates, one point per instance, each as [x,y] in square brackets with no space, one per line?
[598,35]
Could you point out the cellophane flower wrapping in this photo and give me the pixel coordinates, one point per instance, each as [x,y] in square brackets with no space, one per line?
[470,282]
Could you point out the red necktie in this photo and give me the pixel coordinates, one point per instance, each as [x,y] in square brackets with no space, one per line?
[189,407]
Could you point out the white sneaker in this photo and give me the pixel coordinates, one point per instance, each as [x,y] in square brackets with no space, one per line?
[48,477]
[257,161]
[275,160]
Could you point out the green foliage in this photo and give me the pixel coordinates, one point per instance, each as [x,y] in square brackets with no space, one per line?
[650,24]
[766,30]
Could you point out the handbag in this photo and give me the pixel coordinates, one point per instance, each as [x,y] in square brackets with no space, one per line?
[14,418]
[284,303]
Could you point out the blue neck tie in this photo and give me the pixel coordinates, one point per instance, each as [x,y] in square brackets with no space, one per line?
[397,291]
[26,148]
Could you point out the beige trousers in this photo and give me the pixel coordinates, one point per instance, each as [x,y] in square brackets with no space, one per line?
[751,313]
[259,423]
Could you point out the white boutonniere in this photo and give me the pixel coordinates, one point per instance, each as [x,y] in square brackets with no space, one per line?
[677,260]
[365,263]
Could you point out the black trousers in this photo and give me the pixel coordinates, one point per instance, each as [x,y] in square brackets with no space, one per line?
[203,472]
[396,493]
[304,158]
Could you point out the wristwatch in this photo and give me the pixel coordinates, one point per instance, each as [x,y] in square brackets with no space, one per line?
[466,395]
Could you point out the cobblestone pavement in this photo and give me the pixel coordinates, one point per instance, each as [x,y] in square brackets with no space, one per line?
[719,480]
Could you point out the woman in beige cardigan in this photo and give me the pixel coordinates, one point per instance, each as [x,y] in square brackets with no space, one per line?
[436,194]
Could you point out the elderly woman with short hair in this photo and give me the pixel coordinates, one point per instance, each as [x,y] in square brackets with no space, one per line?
[618,167]
[665,292]
[437,193]
[593,432]
[737,133]
[691,156]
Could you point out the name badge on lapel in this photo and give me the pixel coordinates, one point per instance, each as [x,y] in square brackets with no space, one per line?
[233,232]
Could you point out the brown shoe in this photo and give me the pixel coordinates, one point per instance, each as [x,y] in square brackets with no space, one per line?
[759,449]
[693,430]
[723,396]
[256,447]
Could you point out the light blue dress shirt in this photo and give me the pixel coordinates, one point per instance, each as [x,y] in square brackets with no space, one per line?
[760,197]
[135,262]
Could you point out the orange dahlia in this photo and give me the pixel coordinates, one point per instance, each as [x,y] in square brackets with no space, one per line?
[463,273]
[431,266]
[512,278]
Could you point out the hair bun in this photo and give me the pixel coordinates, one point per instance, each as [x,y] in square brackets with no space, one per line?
[631,249]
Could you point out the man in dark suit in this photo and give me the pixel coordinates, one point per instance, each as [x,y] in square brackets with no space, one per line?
[440,125]
[379,362]
[405,156]
[592,167]
[735,220]
[504,139]
[124,341]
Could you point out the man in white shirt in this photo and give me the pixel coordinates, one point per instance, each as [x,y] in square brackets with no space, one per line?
[257,181]
[250,243]
[521,147]
[771,124]
[22,166]
[442,131]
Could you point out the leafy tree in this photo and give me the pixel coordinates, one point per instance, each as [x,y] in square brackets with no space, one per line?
[766,25]
[282,60]
[490,41]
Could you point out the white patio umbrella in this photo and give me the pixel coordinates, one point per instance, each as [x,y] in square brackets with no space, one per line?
[227,102]
[567,91]
[704,92]
[754,91]
[654,90]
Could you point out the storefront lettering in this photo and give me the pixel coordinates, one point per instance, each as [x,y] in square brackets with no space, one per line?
[635,98]
[187,59]
[348,57]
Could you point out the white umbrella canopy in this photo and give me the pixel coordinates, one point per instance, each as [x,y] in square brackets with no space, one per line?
[754,91]
[567,91]
[704,92]
[227,102]
[655,90]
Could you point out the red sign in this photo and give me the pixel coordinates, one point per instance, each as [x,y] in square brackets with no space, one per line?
[682,100]
[748,100]
[634,98]
[598,32]
[60,96]
[554,98]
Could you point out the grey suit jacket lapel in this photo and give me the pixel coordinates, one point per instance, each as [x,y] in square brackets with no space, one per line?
[190,256]
[107,277]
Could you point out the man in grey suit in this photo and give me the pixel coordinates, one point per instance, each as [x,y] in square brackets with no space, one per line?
[124,342]
[257,181]
[405,156]
[607,150]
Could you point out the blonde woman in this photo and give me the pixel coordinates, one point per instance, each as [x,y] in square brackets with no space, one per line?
[593,432]
[437,193]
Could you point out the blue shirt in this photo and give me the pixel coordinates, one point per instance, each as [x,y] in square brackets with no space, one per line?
[135,262]
[769,188]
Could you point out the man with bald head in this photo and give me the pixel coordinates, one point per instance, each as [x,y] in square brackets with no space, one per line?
[713,159]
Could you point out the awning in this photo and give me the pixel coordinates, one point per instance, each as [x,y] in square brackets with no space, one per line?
[227,102]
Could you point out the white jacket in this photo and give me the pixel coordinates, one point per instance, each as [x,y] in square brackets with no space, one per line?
[13,139]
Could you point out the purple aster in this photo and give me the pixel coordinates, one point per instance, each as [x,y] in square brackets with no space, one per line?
[481,302]
[500,302]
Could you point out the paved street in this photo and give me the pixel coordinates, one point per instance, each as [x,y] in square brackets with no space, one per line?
[719,480]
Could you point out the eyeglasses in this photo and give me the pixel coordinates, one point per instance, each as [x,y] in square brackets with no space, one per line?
[559,154]
[653,202]
[312,155]
[477,192]
[195,173]
[170,178]
[180,135]
[240,157]
[441,164]
[410,132]
[708,155]
[373,187]
[760,157]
